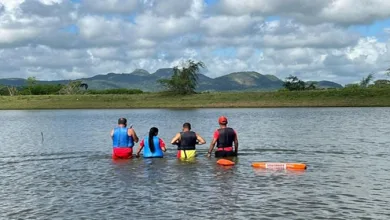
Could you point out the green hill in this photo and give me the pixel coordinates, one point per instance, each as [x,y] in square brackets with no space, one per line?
[326,84]
[142,79]
[248,81]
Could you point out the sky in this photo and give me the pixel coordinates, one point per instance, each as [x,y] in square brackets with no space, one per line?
[336,40]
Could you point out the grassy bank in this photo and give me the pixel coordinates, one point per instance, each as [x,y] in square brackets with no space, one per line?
[322,98]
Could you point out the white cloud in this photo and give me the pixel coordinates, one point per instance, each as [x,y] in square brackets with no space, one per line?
[110,6]
[157,27]
[15,35]
[229,25]
[98,30]
[312,11]
[11,5]
[57,39]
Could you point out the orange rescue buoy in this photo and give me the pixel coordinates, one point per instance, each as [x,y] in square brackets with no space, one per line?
[283,166]
[225,162]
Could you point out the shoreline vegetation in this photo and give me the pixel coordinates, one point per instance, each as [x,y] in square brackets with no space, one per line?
[180,92]
[346,97]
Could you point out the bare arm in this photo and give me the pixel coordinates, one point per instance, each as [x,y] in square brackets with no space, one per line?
[236,143]
[212,144]
[139,150]
[200,139]
[162,145]
[131,132]
[175,139]
[141,146]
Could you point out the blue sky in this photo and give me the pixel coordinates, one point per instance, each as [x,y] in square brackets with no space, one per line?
[59,39]
[374,29]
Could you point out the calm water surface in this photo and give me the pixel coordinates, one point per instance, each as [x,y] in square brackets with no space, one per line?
[70,175]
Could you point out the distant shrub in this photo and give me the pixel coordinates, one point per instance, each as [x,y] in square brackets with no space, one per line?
[41,89]
[352,87]
[8,90]
[115,91]
[283,90]
[381,83]
[3,90]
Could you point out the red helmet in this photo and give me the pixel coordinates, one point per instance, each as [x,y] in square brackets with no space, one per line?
[222,120]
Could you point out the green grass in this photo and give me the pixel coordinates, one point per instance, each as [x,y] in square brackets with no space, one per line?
[378,97]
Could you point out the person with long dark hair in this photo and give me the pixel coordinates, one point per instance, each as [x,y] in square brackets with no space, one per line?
[153,145]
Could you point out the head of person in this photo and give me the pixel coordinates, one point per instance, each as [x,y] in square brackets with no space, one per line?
[186,126]
[222,121]
[152,132]
[122,122]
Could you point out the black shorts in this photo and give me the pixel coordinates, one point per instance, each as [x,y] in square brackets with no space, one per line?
[225,153]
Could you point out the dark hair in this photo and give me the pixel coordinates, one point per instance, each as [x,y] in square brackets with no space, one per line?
[122,121]
[187,125]
[152,132]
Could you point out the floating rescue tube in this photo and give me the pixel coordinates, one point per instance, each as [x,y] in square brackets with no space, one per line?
[225,162]
[284,166]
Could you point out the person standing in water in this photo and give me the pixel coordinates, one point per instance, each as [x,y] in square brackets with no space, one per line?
[224,137]
[186,141]
[153,145]
[123,140]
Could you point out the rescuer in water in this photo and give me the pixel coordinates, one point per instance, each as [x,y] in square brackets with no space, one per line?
[186,141]
[123,140]
[224,137]
[153,145]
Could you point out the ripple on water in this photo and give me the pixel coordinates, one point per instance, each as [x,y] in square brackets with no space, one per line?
[70,175]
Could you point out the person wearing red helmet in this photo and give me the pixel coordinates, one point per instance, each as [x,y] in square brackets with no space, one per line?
[224,137]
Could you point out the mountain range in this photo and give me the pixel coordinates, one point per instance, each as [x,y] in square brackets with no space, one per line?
[142,79]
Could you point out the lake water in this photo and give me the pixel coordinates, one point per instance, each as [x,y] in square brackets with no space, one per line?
[70,174]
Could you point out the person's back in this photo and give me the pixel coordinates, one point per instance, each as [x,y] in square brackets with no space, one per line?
[186,142]
[152,150]
[224,137]
[153,145]
[123,140]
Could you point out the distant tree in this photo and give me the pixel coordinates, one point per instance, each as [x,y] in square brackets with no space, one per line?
[3,90]
[382,82]
[184,80]
[73,87]
[31,82]
[85,85]
[12,90]
[311,86]
[293,83]
[366,80]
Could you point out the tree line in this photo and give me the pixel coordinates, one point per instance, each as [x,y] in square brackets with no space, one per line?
[183,81]
[292,83]
[32,87]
